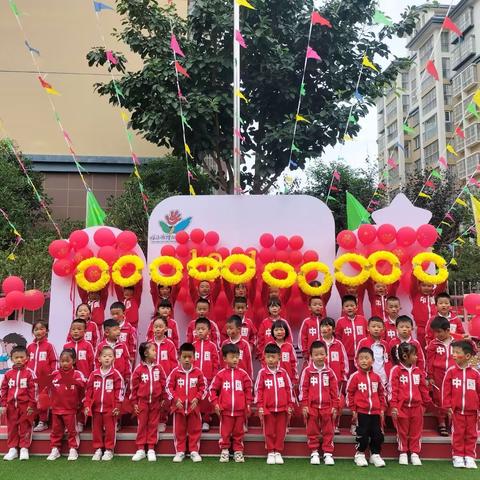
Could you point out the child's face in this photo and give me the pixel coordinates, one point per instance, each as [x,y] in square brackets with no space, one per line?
[350,308]
[66,362]
[106,358]
[404,330]
[393,308]
[159,328]
[233,332]
[93,296]
[460,357]
[127,293]
[151,353]
[279,333]
[318,356]
[202,331]
[240,290]
[39,331]
[202,309]
[273,292]
[163,291]
[83,312]
[240,308]
[375,329]
[232,359]
[326,331]
[425,288]
[380,288]
[19,359]
[164,311]
[365,361]
[112,333]
[411,358]
[274,310]
[443,306]
[186,360]
[272,359]
[204,289]
[316,307]
[117,314]
[441,335]
[77,331]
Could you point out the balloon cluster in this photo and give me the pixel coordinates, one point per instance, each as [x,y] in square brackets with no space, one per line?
[471,303]
[16,298]
[69,253]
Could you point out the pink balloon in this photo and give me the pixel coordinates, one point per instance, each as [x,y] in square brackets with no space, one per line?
[281,256]
[310,256]
[347,239]
[386,233]
[78,239]
[109,254]
[59,248]
[104,237]
[212,238]
[471,302]
[93,273]
[15,300]
[63,267]
[12,283]
[295,257]
[266,255]
[169,250]
[366,233]
[182,251]
[127,240]
[296,242]
[82,254]
[281,242]
[34,300]
[182,237]
[237,250]
[406,236]
[223,252]
[197,235]
[4,310]
[267,240]
[427,235]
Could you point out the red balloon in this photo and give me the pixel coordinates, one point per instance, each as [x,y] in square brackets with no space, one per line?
[402,254]
[169,250]
[386,233]
[310,256]
[12,283]
[109,254]
[182,237]
[406,236]
[166,270]
[34,300]
[296,242]
[281,256]
[4,310]
[281,242]
[104,237]
[427,235]
[212,238]
[127,240]
[182,251]
[223,252]
[59,248]
[63,267]
[238,267]
[15,300]
[347,239]
[367,234]
[311,276]
[249,251]
[237,250]
[78,239]
[474,326]
[93,273]
[295,257]
[127,270]
[197,235]
[267,240]
[471,302]
[82,254]
[266,255]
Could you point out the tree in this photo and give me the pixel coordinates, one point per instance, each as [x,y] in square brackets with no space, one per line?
[466,270]
[276,34]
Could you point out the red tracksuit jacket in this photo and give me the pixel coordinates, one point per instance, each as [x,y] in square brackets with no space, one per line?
[92,334]
[369,342]
[231,390]
[288,360]
[318,389]
[103,392]
[273,390]
[248,332]
[264,334]
[390,331]
[43,358]
[122,359]
[156,299]
[423,306]
[365,393]
[439,360]
[67,391]
[85,362]
[408,387]
[245,354]
[456,327]
[96,307]
[166,355]
[185,386]
[214,333]
[420,355]
[128,336]
[18,388]
[461,390]
[147,384]
[172,331]
[379,302]
[342,291]
[206,358]
[309,332]
[131,304]
[337,359]
[350,331]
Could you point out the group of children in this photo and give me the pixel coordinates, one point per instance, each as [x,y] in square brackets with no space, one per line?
[376,368]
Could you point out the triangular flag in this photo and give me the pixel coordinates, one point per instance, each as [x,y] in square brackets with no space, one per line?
[449,216]
[239,38]
[471,108]
[311,53]
[12,257]
[352,120]
[408,130]
[111,57]
[380,18]
[460,240]
[302,89]
[461,202]
[391,162]
[240,95]
[317,19]
[430,184]
[118,90]
[381,186]
[48,88]
[191,190]
[459,132]
[95,216]
[445,223]
[124,116]
[443,161]
[31,49]
[476,98]
[356,213]
[333,199]
[181,70]
[14,8]
[175,46]
[244,3]
[436,174]
[439,230]
[358,96]
[188,151]
[424,195]
[453,262]
[347,138]
[336,175]
[432,70]
[299,118]
[448,24]
[367,63]
[295,148]
[99,6]
[333,188]
[184,121]
[451,150]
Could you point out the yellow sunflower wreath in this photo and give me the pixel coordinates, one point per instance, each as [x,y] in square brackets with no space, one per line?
[168,280]
[270,280]
[356,280]
[101,283]
[134,278]
[392,259]
[314,267]
[425,277]
[212,272]
[237,278]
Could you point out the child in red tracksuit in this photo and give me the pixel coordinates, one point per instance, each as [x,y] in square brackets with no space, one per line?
[350,328]
[248,331]
[131,297]
[92,333]
[378,294]
[408,399]
[43,362]
[146,395]
[366,399]
[202,309]
[231,397]
[186,388]
[319,399]
[204,291]
[103,399]
[461,398]
[128,333]
[234,328]
[443,304]
[391,314]
[310,328]
[439,360]
[17,400]
[275,401]
[357,292]
[97,302]
[67,391]
[206,359]
[165,311]
[163,292]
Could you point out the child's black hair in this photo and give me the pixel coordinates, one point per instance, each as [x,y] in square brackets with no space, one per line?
[18,349]
[15,338]
[349,298]
[203,321]
[159,286]
[402,350]
[79,320]
[230,348]
[310,300]
[83,305]
[280,324]
[403,319]
[104,348]
[119,305]
[236,320]
[142,348]
[272,348]
[186,347]
[465,345]
[164,320]
[441,295]
[202,300]
[375,319]
[440,323]
[240,300]
[365,350]
[317,344]
[315,284]
[69,351]
[274,301]
[328,321]
[128,288]
[164,302]
[393,298]
[109,323]
[43,323]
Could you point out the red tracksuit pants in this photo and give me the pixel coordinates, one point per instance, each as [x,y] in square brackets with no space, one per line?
[148,419]
[440,412]
[104,430]
[60,423]
[187,428]
[464,435]
[321,424]
[274,430]
[409,425]
[231,432]
[19,426]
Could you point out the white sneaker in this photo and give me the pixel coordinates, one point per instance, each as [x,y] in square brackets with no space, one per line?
[54,454]
[360,460]
[271,459]
[314,458]
[97,456]
[238,457]
[403,459]
[353,429]
[458,462]
[72,454]
[41,426]
[377,460]
[415,459]
[205,427]
[195,457]
[328,459]
[139,455]
[162,427]
[179,457]
[151,456]
[11,455]
[80,427]
[469,462]
[24,455]
[107,456]
[278,458]
[224,456]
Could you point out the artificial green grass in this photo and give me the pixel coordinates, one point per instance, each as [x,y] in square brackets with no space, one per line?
[37,468]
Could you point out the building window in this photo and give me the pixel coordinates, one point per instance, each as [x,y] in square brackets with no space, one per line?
[418,165]
[425,51]
[414,119]
[413,85]
[405,104]
[461,168]
[391,131]
[448,121]
[430,154]
[446,67]
[405,82]
[430,129]
[416,142]
[447,94]
[391,110]
[429,101]
[445,42]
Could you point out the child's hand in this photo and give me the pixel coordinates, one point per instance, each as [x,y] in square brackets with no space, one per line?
[2,410]
[179,405]
[289,410]
[431,381]
[136,410]
[334,414]
[217,410]
[394,413]
[194,404]
[260,413]
[450,412]
[354,417]
[116,412]
[30,410]
[305,412]
[86,410]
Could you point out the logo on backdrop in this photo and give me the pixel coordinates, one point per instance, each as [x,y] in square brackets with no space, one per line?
[173,224]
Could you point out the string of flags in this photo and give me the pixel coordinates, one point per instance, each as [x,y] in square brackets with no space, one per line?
[18,237]
[334,187]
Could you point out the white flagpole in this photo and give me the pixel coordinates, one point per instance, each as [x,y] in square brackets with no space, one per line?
[237,189]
